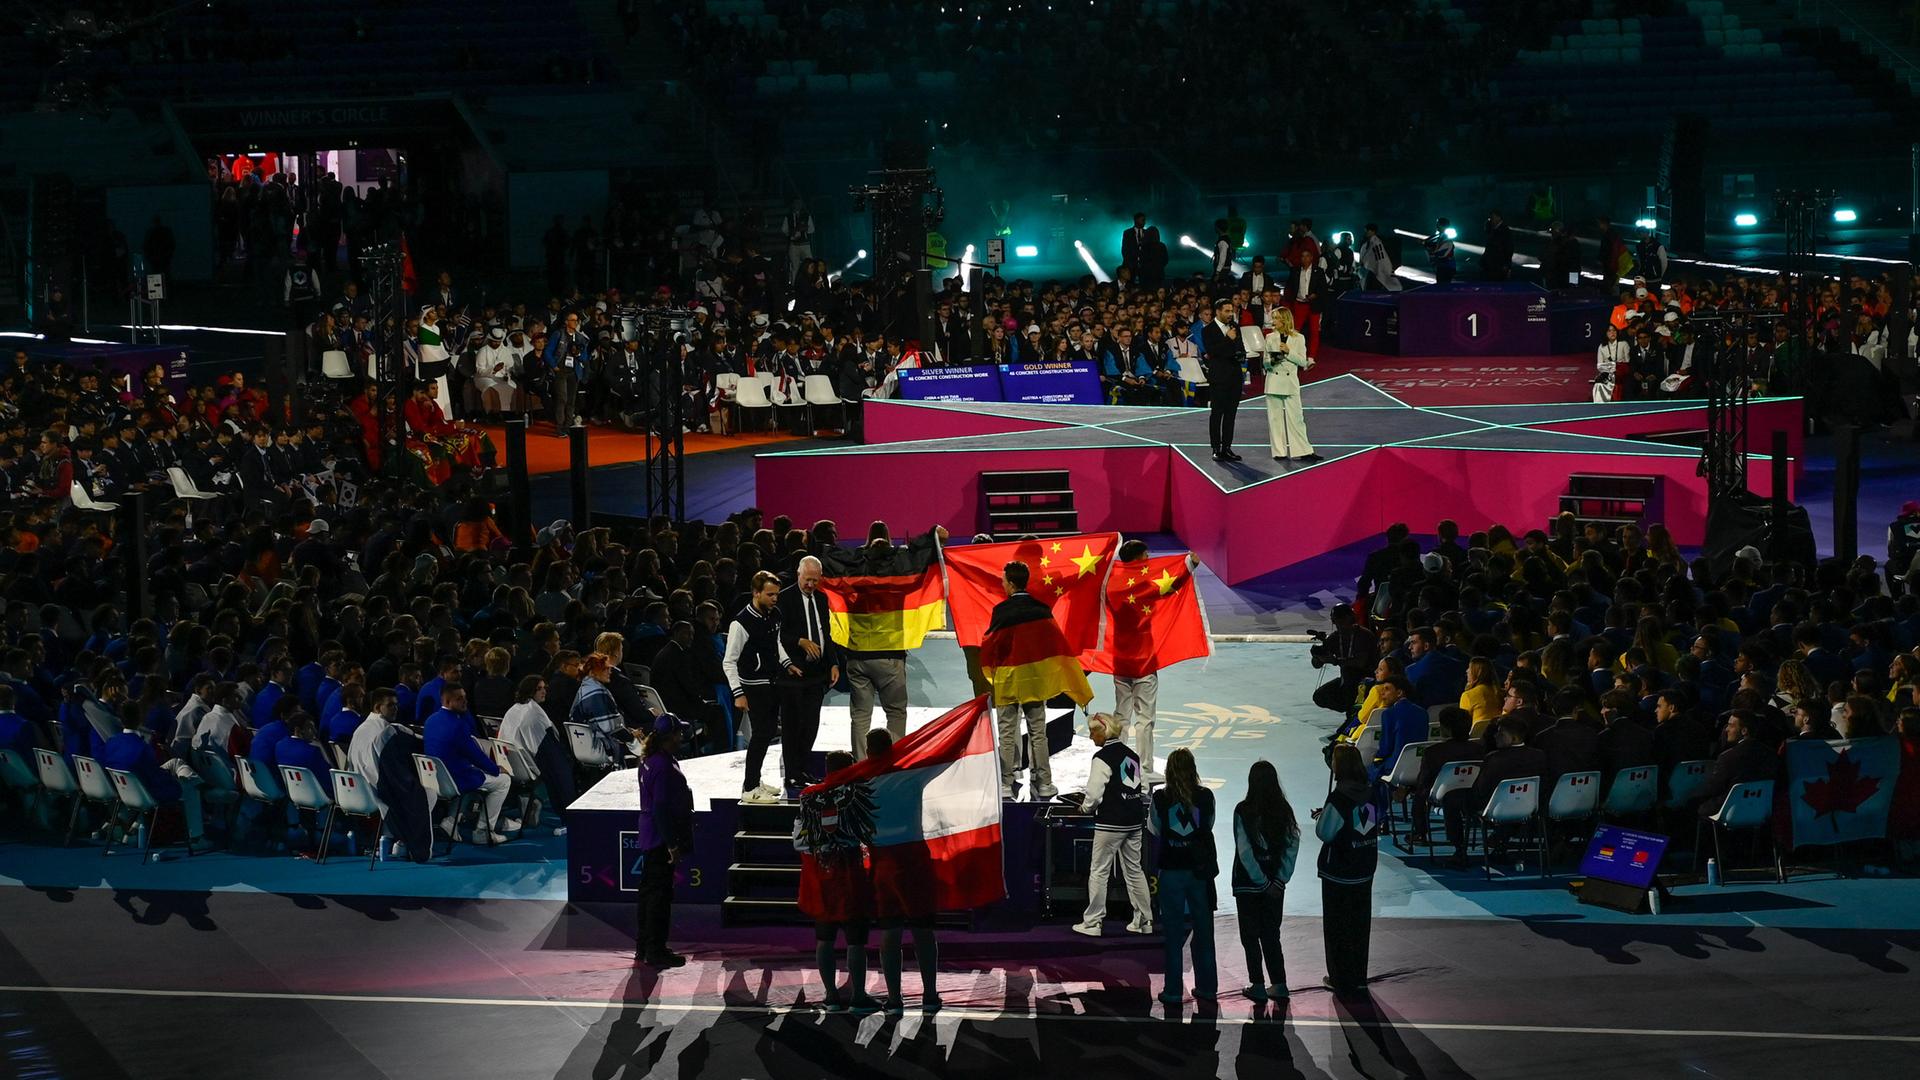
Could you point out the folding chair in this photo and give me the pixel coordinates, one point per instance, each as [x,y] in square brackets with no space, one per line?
[1575,798]
[57,779]
[353,796]
[1748,806]
[1515,802]
[752,396]
[1456,777]
[261,786]
[1688,781]
[305,792]
[1404,774]
[96,788]
[217,784]
[439,784]
[1633,792]
[586,747]
[146,809]
[518,767]
[84,501]
[818,392]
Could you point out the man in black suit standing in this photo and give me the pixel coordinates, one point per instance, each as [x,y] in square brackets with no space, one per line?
[1258,280]
[1496,262]
[1226,372]
[805,631]
[1133,248]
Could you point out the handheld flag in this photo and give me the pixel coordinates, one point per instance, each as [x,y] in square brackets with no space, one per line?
[1069,576]
[928,811]
[1154,619]
[1025,656]
[882,598]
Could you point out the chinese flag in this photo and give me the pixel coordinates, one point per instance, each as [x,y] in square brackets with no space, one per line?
[1069,575]
[1154,619]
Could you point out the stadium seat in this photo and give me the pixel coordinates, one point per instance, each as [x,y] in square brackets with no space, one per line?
[1747,807]
[1515,803]
[1575,799]
[751,396]
[353,796]
[56,778]
[84,501]
[96,788]
[1688,780]
[305,791]
[146,809]
[183,485]
[1632,792]
[334,365]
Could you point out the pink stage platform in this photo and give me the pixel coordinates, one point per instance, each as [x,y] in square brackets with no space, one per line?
[1149,469]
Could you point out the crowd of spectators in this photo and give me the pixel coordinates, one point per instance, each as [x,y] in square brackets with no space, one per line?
[1589,648]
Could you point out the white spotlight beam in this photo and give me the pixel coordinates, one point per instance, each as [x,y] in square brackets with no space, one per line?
[1087,257]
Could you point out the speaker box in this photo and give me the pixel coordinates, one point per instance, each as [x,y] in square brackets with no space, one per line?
[1736,522]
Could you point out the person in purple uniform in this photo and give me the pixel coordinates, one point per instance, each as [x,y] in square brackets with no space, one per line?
[665,839]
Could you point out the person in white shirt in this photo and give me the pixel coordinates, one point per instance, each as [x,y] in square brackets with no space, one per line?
[186,722]
[1610,367]
[494,370]
[1376,262]
[217,725]
[529,729]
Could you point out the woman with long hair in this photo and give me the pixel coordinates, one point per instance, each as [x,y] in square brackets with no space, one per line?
[593,704]
[1795,684]
[1286,358]
[1182,820]
[1349,832]
[1266,841]
[1483,695]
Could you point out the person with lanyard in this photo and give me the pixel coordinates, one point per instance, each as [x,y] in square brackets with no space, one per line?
[1182,821]
[566,359]
[1266,842]
[1349,830]
[1113,799]
[665,838]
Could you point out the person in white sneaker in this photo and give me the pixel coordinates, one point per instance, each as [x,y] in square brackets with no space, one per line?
[1119,815]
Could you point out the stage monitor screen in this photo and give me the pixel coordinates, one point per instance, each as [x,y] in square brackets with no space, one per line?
[1624,856]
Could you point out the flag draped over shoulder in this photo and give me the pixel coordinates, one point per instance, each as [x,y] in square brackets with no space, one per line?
[928,812]
[1154,619]
[1025,656]
[1069,575]
[884,598]
[1841,790]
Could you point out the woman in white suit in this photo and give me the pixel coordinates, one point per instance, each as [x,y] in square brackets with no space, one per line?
[1286,358]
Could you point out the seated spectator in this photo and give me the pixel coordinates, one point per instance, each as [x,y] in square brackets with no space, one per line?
[528,728]
[449,737]
[133,751]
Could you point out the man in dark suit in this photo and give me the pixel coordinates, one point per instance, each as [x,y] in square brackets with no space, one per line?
[1572,744]
[1226,373]
[684,676]
[1458,724]
[1496,263]
[1133,248]
[1510,759]
[805,630]
[1625,742]
[1745,759]
[1257,280]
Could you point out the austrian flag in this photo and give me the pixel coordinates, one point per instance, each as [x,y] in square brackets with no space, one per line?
[934,832]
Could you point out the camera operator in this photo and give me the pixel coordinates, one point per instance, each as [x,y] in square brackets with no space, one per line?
[1351,649]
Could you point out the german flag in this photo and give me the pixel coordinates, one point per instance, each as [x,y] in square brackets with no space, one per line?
[882,598]
[1026,656]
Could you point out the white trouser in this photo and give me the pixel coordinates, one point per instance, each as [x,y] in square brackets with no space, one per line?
[1133,705]
[1124,846]
[495,796]
[1039,764]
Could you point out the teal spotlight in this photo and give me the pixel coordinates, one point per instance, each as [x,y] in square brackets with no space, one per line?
[1846,215]
[1746,219]
[1027,251]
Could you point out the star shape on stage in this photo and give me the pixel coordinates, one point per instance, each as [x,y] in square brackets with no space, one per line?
[1347,417]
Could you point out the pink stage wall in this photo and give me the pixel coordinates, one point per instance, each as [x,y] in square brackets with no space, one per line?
[1150,488]
[885,422]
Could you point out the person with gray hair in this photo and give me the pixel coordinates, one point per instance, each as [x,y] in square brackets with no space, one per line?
[1113,798]
[807,633]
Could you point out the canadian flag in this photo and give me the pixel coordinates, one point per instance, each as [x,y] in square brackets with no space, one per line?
[928,812]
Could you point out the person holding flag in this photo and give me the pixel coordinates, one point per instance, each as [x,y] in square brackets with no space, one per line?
[1027,660]
[1154,619]
[835,888]
[881,601]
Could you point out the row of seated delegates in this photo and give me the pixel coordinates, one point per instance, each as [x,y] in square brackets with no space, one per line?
[1598,649]
[1656,328]
[382,629]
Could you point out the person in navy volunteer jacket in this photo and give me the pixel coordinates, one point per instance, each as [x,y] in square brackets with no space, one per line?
[665,838]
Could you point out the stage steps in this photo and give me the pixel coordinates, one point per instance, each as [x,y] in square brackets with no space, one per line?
[1038,502]
[763,879]
[1609,499]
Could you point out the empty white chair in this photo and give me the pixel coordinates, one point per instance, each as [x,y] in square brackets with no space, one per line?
[1575,798]
[305,791]
[97,788]
[56,779]
[135,797]
[1515,803]
[1688,780]
[334,364]
[1748,806]
[183,485]
[84,501]
[751,396]
[353,796]
[1633,791]
[15,773]
[263,787]
[818,392]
